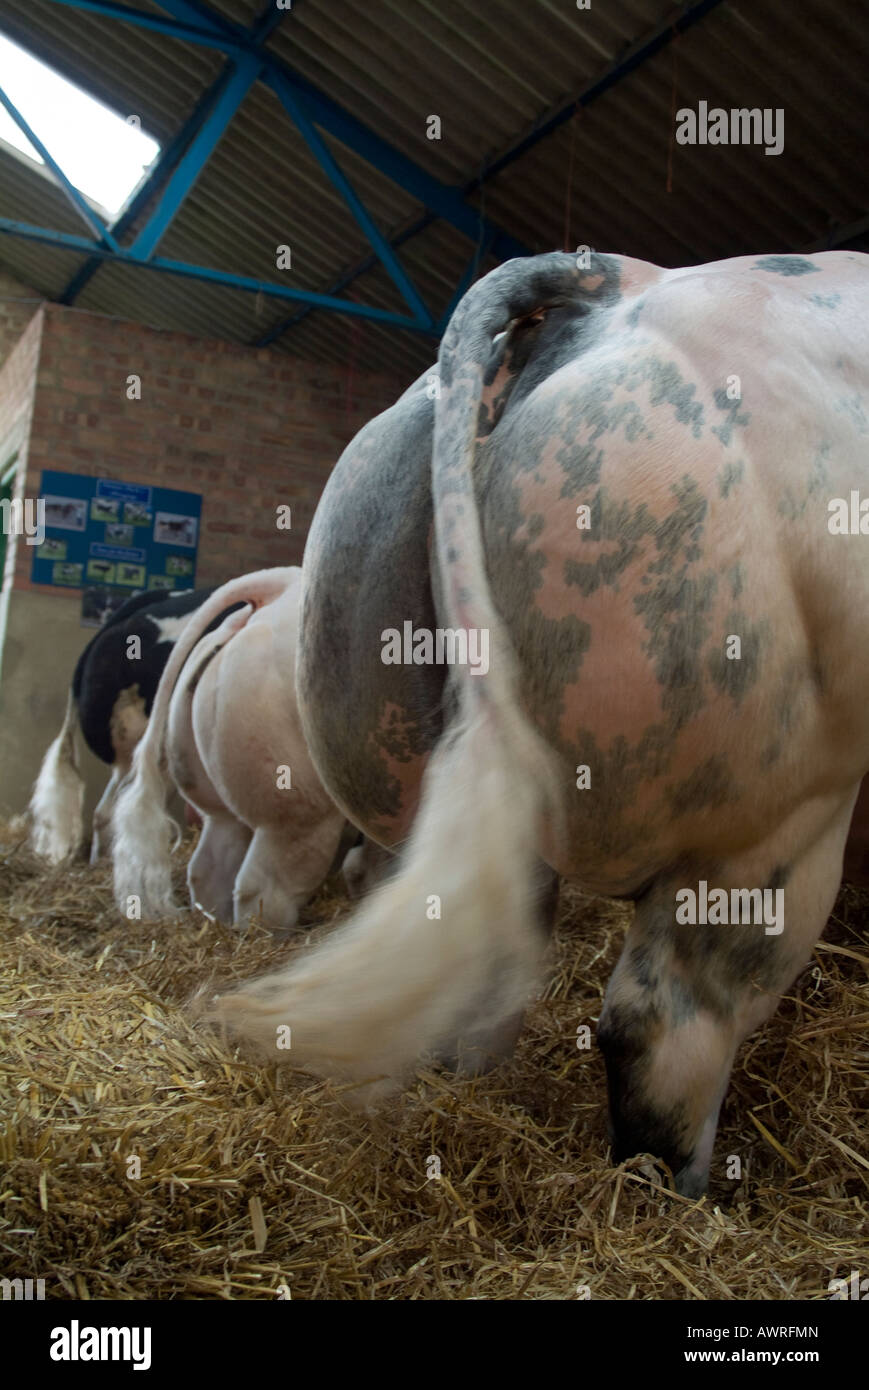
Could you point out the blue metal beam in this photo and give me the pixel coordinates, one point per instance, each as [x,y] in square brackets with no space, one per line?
[196,156]
[195,22]
[645,49]
[346,278]
[198,24]
[78,200]
[145,19]
[65,241]
[169,156]
[446,202]
[198,13]
[150,187]
[285,93]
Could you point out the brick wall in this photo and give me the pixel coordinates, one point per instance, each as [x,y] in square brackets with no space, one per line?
[17,387]
[249,429]
[18,304]
[17,400]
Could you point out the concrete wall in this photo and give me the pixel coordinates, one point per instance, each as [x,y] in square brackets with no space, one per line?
[250,429]
[43,642]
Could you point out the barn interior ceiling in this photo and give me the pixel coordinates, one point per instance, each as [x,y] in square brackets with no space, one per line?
[312,127]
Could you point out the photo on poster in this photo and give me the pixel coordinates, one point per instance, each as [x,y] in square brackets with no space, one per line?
[66,513]
[105,509]
[67,574]
[102,571]
[118,534]
[51,549]
[137,514]
[161,581]
[178,564]
[134,575]
[171,529]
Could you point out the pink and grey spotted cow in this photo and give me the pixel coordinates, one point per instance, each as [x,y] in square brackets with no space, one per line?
[632,480]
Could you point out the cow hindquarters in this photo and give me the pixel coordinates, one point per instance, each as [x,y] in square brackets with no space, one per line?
[685,994]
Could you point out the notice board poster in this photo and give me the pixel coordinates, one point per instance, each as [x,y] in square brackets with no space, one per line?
[113,534]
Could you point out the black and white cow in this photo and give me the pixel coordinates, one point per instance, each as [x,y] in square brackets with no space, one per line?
[181,531]
[57,513]
[638,507]
[113,687]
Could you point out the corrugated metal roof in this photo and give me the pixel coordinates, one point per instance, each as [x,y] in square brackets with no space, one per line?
[492,74]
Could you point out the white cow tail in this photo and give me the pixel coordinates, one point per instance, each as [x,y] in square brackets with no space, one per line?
[449,945]
[143,830]
[58,795]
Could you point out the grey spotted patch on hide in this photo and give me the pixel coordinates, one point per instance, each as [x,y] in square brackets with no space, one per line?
[709,785]
[622,525]
[734,416]
[735,676]
[675,609]
[731,475]
[853,407]
[786,265]
[633,316]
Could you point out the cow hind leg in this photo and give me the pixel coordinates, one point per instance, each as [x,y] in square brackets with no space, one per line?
[684,996]
[101,837]
[214,864]
[281,871]
[364,865]
[58,795]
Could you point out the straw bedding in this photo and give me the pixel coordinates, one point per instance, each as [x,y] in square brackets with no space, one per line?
[256,1182]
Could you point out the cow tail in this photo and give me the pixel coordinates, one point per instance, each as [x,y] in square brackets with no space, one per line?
[143,830]
[447,949]
[56,802]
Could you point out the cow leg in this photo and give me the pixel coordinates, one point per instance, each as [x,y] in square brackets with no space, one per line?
[683,997]
[214,864]
[474,1051]
[101,838]
[364,866]
[282,871]
[127,724]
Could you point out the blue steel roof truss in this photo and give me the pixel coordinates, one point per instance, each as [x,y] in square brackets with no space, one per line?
[182,160]
[314,113]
